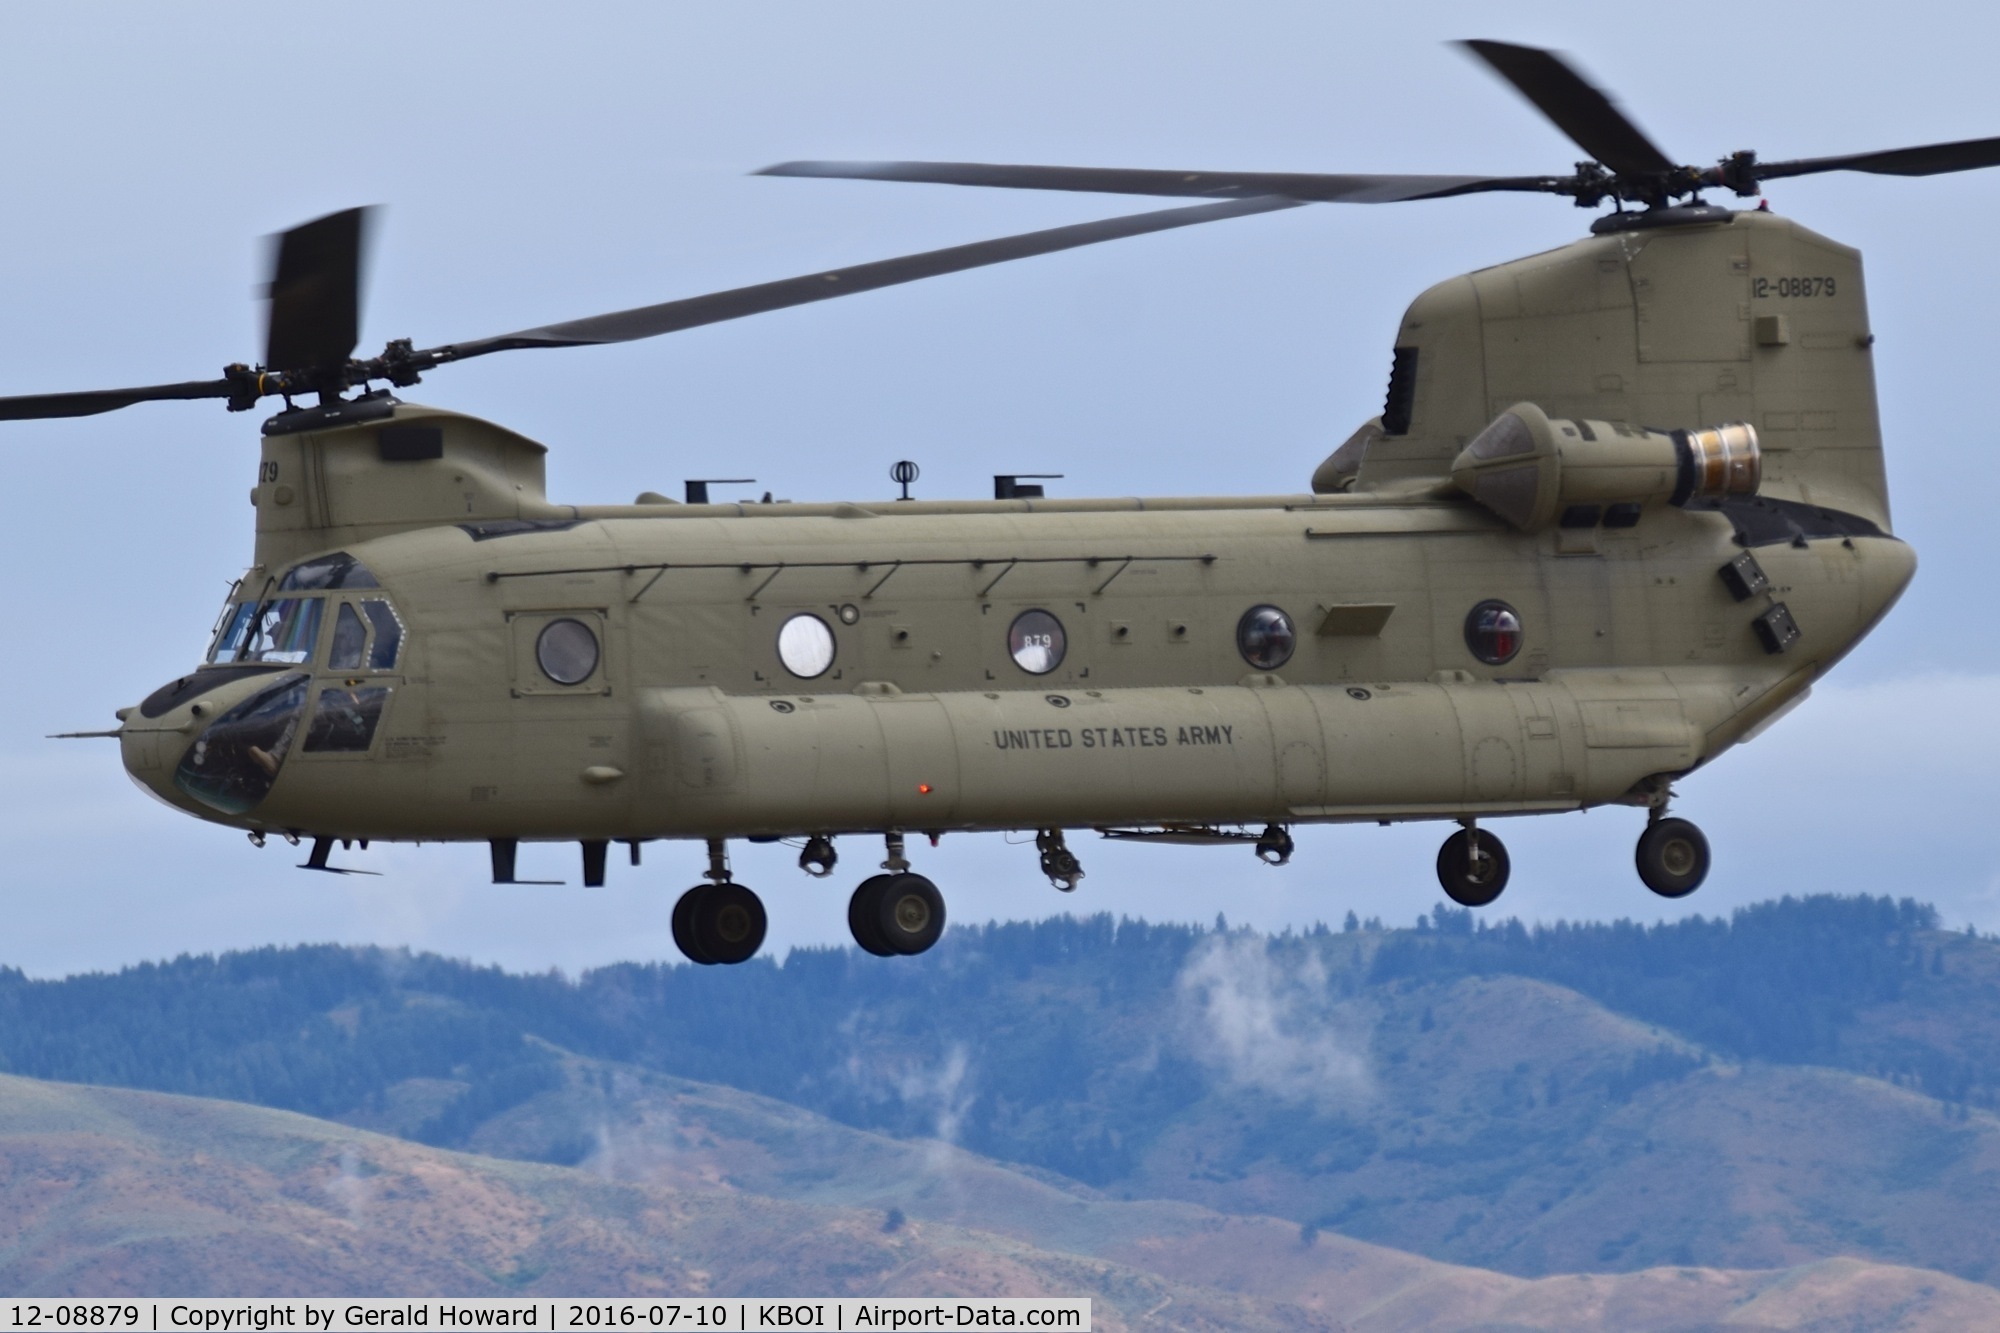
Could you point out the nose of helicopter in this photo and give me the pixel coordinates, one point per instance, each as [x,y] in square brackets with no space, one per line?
[213,742]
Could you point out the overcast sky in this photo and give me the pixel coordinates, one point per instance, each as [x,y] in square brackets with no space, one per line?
[594,157]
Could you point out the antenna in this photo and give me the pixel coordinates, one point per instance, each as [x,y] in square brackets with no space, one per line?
[903,473]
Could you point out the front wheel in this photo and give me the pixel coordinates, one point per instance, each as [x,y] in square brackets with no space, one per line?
[1673,857]
[684,913]
[1472,880]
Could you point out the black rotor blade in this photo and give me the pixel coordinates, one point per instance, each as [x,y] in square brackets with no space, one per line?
[1582,112]
[1304,187]
[92,401]
[672,316]
[1927,160]
[316,293]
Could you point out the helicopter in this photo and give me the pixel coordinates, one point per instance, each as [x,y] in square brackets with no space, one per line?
[1623,505]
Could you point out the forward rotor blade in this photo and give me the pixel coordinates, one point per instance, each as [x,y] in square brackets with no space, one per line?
[1304,187]
[315,317]
[1928,160]
[672,316]
[1586,115]
[90,402]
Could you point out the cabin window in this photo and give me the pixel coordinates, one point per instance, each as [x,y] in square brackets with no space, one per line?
[285,629]
[350,640]
[235,628]
[388,634]
[346,718]
[351,649]
[1036,642]
[566,651]
[1265,636]
[1493,632]
[339,570]
[806,646]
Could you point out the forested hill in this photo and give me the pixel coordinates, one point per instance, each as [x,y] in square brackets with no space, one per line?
[1436,1088]
[317,1029]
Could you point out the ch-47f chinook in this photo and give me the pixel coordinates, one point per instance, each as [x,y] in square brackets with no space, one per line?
[1624,505]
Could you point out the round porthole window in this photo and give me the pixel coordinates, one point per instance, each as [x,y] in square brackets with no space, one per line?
[805,646]
[1493,632]
[1036,642]
[566,651]
[1265,637]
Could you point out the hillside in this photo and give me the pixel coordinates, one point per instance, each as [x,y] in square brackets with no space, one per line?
[1809,1080]
[114,1192]
[117,1192]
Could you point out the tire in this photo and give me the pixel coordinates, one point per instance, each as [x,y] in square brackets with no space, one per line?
[1672,857]
[684,913]
[729,923]
[864,913]
[1455,873]
[910,915]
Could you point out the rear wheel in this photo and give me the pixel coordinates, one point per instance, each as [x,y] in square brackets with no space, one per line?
[1472,881]
[1673,857]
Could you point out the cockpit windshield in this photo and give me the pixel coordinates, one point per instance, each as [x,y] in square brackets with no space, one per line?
[285,629]
[234,629]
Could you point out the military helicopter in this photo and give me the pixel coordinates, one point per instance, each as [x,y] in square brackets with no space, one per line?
[1623,505]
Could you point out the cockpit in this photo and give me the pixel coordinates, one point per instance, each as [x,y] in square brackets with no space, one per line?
[285,626]
[328,614]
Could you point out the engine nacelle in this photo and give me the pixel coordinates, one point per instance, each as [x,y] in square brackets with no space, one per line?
[1533,470]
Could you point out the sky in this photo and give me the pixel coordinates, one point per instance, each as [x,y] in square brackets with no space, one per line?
[562,163]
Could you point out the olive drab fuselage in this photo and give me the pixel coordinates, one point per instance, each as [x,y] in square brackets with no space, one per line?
[1390,645]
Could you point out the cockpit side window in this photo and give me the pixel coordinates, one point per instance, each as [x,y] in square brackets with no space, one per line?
[285,629]
[234,629]
[388,634]
[328,572]
[350,640]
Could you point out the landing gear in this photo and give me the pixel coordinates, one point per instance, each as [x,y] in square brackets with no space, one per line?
[1472,867]
[1059,863]
[895,914]
[1672,856]
[719,922]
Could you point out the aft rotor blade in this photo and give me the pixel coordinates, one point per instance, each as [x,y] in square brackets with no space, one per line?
[1586,115]
[315,317]
[1928,160]
[90,402]
[672,316]
[1304,187]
